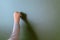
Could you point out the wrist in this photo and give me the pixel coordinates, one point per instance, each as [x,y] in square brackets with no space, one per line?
[16,21]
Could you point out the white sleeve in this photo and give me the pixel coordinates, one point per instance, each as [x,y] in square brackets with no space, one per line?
[15,32]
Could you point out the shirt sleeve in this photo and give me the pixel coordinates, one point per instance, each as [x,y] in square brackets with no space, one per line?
[15,32]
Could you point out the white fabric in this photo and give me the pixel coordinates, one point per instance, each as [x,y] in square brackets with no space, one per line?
[15,32]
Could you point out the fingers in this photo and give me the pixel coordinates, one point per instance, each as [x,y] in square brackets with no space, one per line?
[17,14]
[16,17]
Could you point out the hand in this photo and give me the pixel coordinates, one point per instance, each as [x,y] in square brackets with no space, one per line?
[16,17]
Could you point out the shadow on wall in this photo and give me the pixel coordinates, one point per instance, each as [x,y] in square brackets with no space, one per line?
[29,33]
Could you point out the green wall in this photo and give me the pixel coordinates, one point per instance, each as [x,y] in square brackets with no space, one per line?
[43,16]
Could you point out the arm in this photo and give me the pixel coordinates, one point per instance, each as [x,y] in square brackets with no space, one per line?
[16,27]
